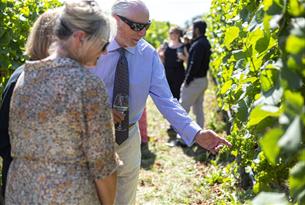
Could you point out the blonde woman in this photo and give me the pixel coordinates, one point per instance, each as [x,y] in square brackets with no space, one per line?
[60,124]
[39,40]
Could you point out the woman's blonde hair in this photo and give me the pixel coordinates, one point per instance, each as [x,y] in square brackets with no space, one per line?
[41,35]
[83,15]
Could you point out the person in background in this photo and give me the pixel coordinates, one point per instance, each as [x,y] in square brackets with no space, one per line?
[145,151]
[173,55]
[196,82]
[60,124]
[133,67]
[143,129]
[40,38]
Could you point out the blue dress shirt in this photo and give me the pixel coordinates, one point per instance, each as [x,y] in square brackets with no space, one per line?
[146,77]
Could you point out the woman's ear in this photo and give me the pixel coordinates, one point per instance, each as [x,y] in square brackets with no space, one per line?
[79,36]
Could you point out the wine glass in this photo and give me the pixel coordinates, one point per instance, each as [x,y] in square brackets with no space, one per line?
[120,104]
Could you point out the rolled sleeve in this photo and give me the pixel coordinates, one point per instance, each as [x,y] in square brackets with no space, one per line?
[169,106]
[98,142]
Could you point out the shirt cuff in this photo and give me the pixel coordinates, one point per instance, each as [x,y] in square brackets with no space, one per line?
[189,133]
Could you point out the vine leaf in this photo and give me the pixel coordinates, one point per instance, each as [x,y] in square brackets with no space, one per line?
[297,182]
[231,34]
[296,8]
[261,112]
[262,44]
[265,198]
[269,140]
[226,86]
[291,141]
[295,44]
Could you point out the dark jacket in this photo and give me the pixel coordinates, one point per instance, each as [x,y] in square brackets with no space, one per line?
[199,59]
[5,145]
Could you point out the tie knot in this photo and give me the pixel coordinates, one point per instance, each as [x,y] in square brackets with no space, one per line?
[121,51]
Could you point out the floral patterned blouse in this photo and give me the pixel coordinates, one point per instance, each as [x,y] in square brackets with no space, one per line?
[61,135]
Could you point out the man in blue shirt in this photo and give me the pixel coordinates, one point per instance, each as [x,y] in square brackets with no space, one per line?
[146,77]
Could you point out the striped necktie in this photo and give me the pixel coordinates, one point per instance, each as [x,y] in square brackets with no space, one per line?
[121,90]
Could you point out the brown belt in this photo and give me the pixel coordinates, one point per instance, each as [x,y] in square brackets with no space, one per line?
[131,125]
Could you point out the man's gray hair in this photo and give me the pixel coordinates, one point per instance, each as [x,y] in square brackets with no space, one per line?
[121,7]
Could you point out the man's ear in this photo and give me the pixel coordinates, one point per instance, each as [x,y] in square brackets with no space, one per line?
[196,30]
[117,19]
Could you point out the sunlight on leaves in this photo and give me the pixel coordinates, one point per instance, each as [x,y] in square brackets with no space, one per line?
[295,44]
[261,112]
[291,141]
[269,144]
[296,8]
[231,34]
[297,182]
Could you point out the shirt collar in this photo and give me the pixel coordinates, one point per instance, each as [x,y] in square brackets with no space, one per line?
[113,46]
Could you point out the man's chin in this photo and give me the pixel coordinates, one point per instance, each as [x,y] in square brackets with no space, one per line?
[133,44]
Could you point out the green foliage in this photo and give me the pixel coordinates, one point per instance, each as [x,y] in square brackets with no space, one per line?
[16,19]
[270,139]
[258,62]
[297,182]
[270,199]
[157,33]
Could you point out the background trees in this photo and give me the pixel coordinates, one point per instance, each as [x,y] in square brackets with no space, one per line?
[17,17]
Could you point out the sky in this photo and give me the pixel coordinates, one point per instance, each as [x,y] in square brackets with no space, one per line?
[174,11]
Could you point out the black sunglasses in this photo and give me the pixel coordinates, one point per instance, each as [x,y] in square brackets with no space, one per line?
[104,48]
[134,25]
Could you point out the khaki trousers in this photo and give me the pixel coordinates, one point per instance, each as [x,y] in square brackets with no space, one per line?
[192,96]
[128,174]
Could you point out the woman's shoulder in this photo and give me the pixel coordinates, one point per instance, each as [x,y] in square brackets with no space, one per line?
[65,69]
[92,79]
[79,75]
[86,80]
